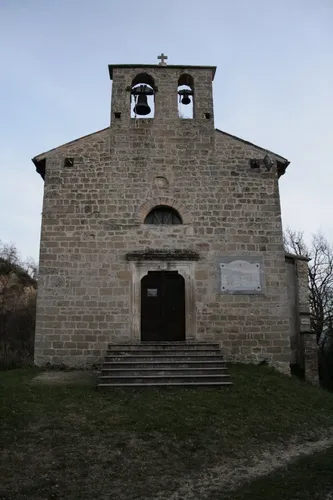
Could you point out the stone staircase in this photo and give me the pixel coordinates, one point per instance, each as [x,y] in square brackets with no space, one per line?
[164,364]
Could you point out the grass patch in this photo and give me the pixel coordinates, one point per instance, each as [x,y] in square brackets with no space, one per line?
[75,442]
[309,478]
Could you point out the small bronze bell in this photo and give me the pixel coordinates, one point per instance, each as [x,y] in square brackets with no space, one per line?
[141,107]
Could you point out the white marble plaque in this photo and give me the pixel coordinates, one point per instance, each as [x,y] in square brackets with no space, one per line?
[240,276]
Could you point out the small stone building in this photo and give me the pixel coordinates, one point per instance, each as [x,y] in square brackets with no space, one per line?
[162,228]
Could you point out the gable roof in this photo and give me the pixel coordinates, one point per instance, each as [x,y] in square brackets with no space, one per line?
[41,155]
[40,160]
[249,143]
[282,163]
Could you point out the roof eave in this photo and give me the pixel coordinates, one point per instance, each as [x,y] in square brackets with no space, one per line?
[282,167]
[40,166]
[282,163]
[42,156]
[251,144]
[294,256]
[173,66]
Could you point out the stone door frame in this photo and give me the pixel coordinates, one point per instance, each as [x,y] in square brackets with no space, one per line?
[186,269]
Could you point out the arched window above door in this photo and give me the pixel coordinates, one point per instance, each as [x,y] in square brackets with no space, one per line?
[163,215]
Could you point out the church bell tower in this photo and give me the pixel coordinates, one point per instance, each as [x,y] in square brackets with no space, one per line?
[161,94]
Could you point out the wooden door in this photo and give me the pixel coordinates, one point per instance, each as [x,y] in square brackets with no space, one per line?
[162,306]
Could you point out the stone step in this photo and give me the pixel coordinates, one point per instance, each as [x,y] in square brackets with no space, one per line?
[165,379]
[160,364]
[158,346]
[162,352]
[149,385]
[166,357]
[164,364]
[138,372]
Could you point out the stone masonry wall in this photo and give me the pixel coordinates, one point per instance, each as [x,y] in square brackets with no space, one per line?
[93,215]
[308,341]
[304,351]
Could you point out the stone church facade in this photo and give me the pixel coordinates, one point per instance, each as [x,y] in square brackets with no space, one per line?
[163,228]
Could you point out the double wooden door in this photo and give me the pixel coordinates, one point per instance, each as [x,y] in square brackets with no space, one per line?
[162,306]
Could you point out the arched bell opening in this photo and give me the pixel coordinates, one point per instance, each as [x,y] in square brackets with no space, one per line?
[185,96]
[143,96]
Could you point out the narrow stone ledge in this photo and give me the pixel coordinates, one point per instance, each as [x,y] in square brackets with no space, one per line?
[162,255]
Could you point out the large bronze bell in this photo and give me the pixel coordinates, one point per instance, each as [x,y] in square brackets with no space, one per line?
[141,107]
[185,100]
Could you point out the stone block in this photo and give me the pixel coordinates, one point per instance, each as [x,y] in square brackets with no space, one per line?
[124,275]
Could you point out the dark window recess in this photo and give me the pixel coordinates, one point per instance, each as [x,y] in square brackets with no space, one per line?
[207,115]
[163,215]
[254,163]
[69,162]
[117,114]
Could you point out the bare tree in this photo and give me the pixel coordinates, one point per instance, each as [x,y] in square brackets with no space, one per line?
[30,266]
[320,251]
[10,255]
[17,306]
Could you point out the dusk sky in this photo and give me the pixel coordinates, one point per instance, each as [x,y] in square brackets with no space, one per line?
[273,87]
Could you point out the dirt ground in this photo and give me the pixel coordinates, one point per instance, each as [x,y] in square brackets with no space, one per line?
[66,377]
[235,473]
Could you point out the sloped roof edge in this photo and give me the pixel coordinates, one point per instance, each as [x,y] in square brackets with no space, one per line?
[251,144]
[40,159]
[294,256]
[41,155]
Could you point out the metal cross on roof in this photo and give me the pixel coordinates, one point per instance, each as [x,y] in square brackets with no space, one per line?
[163,58]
